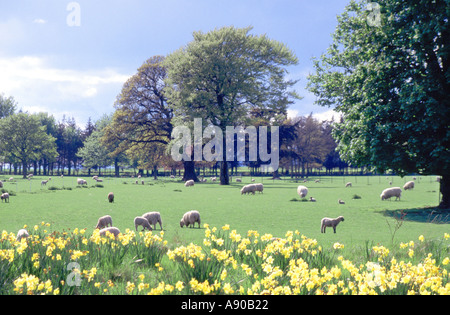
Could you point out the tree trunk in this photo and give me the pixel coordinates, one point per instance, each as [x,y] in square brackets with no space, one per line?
[224,176]
[24,169]
[445,191]
[189,171]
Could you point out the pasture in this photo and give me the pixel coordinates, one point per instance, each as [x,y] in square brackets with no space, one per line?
[67,206]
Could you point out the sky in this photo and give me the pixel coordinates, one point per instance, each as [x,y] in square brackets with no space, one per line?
[71,58]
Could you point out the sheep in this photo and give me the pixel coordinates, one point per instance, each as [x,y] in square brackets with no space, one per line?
[349,184]
[104,222]
[302,191]
[341,202]
[95,177]
[44,182]
[391,192]
[81,182]
[213,179]
[22,234]
[253,180]
[141,221]
[190,218]
[408,185]
[327,222]
[248,189]
[317,181]
[5,196]
[98,180]
[238,180]
[189,183]
[111,197]
[1,184]
[312,199]
[153,218]
[113,230]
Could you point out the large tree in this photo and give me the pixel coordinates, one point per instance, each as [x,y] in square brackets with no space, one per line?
[24,139]
[222,75]
[387,73]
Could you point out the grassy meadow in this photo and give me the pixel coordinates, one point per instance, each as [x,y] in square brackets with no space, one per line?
[65,205]
[236,251]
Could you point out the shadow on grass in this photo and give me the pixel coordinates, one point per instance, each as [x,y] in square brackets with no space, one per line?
[423,215]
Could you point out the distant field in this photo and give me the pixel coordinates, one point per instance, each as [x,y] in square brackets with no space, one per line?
[276,211]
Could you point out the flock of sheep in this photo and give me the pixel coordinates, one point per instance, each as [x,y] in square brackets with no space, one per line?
[104,224]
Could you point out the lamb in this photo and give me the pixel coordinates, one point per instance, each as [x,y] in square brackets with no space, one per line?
[190,218]
[141,221]
[248,189]
[44,182]
[408,185]
[104,222]
[238,180]
[391,192]
[5,196]
[22,234]
[327,222]
[189,183]
[111,197]
[81,182]
[341,202]
[153,218]
[113,230]
[349,184]
[302,191]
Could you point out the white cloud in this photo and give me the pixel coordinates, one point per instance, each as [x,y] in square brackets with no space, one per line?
[327,115]
[39,21]
[38,86]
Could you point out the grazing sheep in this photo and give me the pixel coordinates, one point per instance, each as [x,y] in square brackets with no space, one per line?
[113,230]
[95,177]
[302,191]
[391,192]
[349,184]
[253,180]
[81,182]
[11,179]
[341,202]
[189,183]
[44,182]
[312,199]
[190,218]
[317,181]
[390,183]
[327,222]
[98,180]
[104,222]
[141,221]
[111,197]
[142,182]
[5,196]
[153,218]
[238,180]
[248,189]
[22,234]
[408,185]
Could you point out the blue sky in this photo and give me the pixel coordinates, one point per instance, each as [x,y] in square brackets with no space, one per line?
[77,71]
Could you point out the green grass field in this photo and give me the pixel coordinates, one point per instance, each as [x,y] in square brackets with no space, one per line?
[276,211]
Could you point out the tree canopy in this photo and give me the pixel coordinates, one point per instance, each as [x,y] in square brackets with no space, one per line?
[390,82]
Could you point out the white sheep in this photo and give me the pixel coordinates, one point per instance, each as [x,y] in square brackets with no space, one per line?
[153,218]
[95,177]
[349,184]
[98,180]
[22,234]
[5,196]
[302,191]
[190,218]
[341,202]
[113,230]
[104,222]
[44,182]
[248,189]
[141,221]
[327,222]
[238,180]
[312,199]
[189,183]
[317,181]
[81,182]
[111,197]
[391,192]
[213,179]
[408,185]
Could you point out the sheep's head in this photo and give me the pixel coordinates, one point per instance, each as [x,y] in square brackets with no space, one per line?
[181,223]
[341,218]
